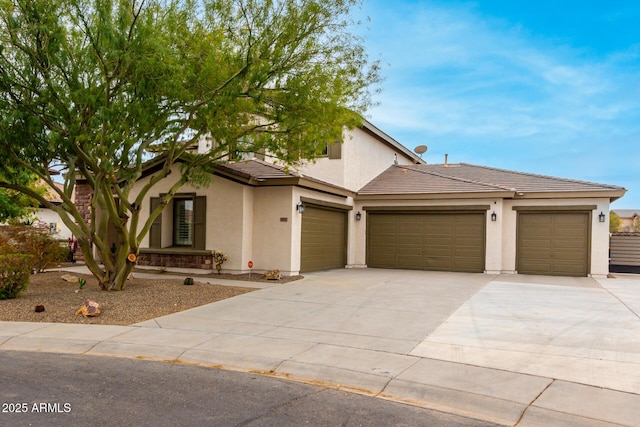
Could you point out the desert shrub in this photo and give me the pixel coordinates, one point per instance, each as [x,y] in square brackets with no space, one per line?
[15,270]
[35,241]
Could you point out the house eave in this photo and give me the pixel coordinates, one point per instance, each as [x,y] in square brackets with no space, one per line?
[436,196]
[292,181]
[612,195]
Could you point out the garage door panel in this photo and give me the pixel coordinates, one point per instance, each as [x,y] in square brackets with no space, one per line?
[553,243]
[569,244]
[537,244]
[408,262]
[428,241]
[409,240]
[568,269]
[409,250]
[469,241]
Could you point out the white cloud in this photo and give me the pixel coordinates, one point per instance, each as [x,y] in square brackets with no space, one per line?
[453,71]
[491,89]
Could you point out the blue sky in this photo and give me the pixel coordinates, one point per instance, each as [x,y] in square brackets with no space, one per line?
[549,87]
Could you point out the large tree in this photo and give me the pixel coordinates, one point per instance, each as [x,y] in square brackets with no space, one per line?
[97,85]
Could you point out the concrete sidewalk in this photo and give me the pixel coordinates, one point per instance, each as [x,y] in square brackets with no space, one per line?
[514,350]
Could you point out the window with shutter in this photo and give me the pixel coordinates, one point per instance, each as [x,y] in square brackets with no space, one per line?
[335,150]
[183,219]
[189,222]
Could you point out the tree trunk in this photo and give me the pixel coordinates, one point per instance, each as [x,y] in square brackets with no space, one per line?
[115,269]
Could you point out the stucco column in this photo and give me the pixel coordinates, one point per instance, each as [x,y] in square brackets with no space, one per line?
[494,231]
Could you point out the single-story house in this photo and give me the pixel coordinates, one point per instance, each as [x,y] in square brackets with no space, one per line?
[629,219]
[46,217]
[370,202]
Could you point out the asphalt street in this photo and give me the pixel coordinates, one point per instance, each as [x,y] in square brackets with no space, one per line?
[44,389]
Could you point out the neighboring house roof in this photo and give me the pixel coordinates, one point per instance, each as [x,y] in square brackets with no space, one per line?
[627,213]
[51,195]
[468,178]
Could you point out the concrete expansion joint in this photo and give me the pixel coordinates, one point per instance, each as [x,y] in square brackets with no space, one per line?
[622,302]
[381,393]
[553,380]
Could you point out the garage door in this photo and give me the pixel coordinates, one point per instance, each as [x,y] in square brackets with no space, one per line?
[553,243]
[324,241]
[426,241]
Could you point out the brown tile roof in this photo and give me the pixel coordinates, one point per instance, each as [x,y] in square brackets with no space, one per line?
[258,172]
[256,169]
[468,178]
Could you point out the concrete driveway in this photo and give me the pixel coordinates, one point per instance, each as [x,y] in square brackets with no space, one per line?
[522,350]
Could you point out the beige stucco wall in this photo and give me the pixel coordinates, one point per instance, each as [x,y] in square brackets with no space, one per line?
[628,224]
[274,218]
[228,205]
[363,158]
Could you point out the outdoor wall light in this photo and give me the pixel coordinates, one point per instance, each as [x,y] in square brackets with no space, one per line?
[300,208]
[494,216]
[358,216]
[601,217]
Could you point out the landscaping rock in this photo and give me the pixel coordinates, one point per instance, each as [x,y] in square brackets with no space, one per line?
[272,275]
[70,278]
[89,309]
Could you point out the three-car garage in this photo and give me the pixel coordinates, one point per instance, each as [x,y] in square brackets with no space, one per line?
[547,242]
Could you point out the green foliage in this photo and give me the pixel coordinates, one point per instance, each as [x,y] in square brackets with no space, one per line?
[15,271]
[614,222]
[42,249]
[98,85]
[15,205]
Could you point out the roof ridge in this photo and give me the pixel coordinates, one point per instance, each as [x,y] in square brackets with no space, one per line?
[455,178]
[542,176]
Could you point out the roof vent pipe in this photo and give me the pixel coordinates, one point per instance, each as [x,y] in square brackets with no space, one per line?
[446,160]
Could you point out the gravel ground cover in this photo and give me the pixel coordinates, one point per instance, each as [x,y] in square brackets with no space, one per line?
[142,299]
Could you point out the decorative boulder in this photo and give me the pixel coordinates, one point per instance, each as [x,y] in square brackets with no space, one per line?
[89,309]
[70,278]
[39,308]
[188,281]
[272,275]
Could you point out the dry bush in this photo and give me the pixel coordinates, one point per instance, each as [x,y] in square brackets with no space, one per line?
[35,241]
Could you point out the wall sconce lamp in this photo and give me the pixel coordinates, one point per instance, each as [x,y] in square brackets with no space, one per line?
[358,216]
[601,217]
[300,208]
[494,216]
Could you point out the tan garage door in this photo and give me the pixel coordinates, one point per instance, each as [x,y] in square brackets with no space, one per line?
[426,241]
[324,241]
[552,243]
